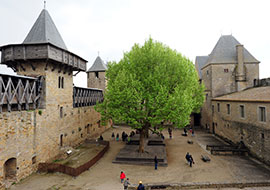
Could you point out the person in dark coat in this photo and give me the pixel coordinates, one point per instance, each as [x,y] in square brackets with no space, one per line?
[141,186]
[101,138]
[187,157]
[156,162]
[191,161]
[170,132]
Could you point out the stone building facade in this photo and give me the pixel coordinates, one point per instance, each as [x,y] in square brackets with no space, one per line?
[30,136]
[235,102]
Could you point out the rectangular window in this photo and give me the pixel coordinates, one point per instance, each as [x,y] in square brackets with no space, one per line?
[226,70]
[228,109]
[213,109]
[262,114]
[242,111]
[61,112]
[218,107]
[207,72]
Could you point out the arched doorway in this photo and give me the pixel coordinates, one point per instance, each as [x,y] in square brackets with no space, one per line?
[10,168]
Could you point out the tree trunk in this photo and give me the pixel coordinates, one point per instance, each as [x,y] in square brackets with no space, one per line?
[143,134]
[141,147]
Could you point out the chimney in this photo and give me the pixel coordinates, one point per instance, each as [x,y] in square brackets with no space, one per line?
[240,76]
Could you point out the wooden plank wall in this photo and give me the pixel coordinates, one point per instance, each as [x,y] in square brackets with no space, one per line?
[86,96]
[19,93]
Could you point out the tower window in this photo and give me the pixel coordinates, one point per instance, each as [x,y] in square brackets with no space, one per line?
[62,85]
[96,74]
[61,112]
[59,82]
[218,107]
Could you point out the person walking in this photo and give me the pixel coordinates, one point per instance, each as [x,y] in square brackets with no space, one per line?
[117,137]
[122,176]
[141,186]
[191,161]
[188,157]
[156,162]
[170,132]
[126,183]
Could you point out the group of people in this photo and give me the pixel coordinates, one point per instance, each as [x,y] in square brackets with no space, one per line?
[126,182]
[125,136]
[191,130]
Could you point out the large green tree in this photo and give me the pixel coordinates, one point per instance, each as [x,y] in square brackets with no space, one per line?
[150,85]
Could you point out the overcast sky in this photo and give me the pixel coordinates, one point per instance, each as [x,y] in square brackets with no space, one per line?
[111,27]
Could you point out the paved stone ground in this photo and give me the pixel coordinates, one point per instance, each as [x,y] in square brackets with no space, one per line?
[105,175]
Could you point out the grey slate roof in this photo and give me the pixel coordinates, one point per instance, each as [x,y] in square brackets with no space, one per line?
[200,62]
[44,31]
[225,51]
[98,65]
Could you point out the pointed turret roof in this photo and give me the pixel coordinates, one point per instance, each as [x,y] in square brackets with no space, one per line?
[45,31]
[98,65]
[225,52]
[200,62]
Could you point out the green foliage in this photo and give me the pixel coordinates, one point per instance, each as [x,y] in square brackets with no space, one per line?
[40,112]
[151,84]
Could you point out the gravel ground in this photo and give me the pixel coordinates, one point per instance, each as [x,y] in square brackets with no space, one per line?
[104,175]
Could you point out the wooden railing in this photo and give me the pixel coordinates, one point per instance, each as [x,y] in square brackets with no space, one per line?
[19,92]
[86,96]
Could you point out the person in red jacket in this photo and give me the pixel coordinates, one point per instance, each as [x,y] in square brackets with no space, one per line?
[122,176]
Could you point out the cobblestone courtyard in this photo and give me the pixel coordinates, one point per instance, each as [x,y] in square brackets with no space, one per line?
[105,175]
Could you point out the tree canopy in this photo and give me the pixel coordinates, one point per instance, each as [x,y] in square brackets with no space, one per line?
[151,84]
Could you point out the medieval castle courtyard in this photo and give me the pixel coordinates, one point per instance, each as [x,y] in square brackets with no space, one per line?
[104,175]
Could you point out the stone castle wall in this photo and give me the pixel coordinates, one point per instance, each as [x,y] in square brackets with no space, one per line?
[94,82]
[40,135]
[254,133]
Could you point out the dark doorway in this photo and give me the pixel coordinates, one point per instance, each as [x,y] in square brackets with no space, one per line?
[197,119]
[213,128]
[10,168]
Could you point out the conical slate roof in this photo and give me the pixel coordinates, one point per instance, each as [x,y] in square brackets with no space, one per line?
[45,31]
[98,65]
[225,51]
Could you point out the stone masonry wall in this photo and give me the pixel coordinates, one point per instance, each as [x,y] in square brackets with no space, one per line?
[254,133]
[94,82]
[39,134]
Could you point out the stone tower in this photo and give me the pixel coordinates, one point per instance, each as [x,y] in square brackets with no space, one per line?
[96,75]
[228,68]
[44,53]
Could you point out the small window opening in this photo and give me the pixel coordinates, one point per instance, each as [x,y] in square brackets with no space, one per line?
[96,74]
[228,109]
[62,85]
[61,112]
